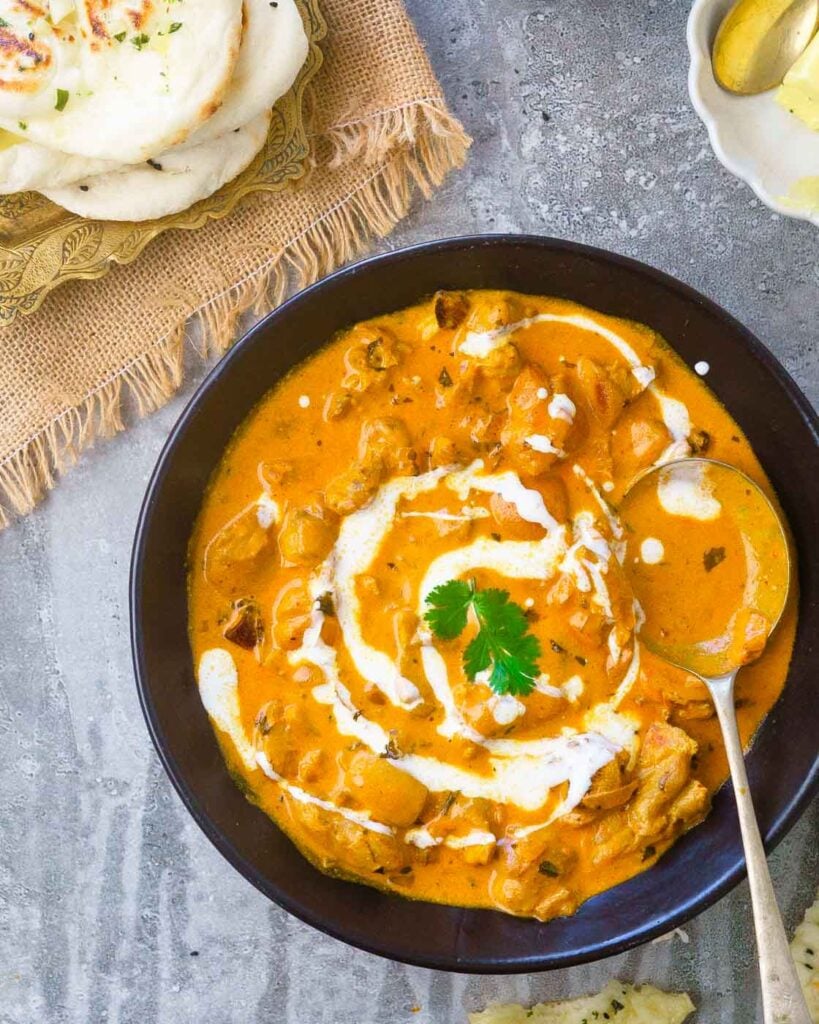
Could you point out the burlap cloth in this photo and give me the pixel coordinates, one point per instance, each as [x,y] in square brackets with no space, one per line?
[379,128]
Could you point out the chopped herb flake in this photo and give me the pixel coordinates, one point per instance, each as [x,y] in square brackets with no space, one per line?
[712,558]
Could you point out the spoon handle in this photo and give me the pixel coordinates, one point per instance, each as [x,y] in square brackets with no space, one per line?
[782,999]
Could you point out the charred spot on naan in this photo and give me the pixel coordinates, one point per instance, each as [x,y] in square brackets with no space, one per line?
[26,62]
[102,15]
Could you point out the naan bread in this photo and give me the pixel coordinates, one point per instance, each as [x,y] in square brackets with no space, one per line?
[620,1003]
[117,80]
[274,47]
[172,182]
[805,952]
[27,167]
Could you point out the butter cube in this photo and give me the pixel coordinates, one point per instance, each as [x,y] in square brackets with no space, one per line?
[799,92]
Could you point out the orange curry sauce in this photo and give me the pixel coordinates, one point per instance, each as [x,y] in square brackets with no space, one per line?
[355,486]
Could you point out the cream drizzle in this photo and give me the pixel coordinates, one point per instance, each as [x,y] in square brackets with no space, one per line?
[561,407]
[359,541]
[528,502]
[541,443]
[684,490]
[424,839]
[522,772]
[218,681]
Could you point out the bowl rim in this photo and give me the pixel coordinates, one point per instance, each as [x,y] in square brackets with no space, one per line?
[652,928]
[700,68]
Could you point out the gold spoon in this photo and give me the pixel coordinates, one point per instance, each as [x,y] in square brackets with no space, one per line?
[714,489]
[760,40]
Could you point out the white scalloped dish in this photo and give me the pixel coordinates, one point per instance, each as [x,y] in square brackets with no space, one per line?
[752,136]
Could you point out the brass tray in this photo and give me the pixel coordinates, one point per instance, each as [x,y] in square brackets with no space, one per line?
[42,246]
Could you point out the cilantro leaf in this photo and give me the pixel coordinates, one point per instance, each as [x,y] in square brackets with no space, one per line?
[477,656]
[450,603]
[516,672]
[502,642]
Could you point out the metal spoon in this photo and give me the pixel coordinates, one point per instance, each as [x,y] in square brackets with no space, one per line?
[782,998]
[760,40]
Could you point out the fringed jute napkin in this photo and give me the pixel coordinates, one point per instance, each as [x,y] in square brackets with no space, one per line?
[380,127]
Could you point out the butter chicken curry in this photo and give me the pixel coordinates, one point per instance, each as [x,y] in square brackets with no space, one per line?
[412,614]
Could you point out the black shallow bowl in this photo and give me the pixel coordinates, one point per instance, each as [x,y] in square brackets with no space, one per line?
[783,764]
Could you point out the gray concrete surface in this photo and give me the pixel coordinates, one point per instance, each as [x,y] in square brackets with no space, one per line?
[113,906]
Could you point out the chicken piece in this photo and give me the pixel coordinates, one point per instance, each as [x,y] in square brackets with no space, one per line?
[691,806]
[611,786]
[346,846]
[245,627]
[534,896]
[540,852]
[392,797]
[306,535]
[490,312]
[663,770]
[337,406]
[292,610]
[612,838]
[749,631]
[667,802]
[273,474]
[481,424]
[451,309]
[384,447]
[311,766]
[502,365]
[388,441]
[237,549]
[479,853]
[443,452]
[560,903]
[383,352]
[532,438]
[354,487]
[638,442]
[280,733]
[458,815]
[555,497]
[374,351]
[607,389]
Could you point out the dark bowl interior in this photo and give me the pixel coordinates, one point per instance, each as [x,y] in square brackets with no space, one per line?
[783,764]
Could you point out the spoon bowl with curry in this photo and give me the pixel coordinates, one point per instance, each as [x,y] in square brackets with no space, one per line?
[732,558]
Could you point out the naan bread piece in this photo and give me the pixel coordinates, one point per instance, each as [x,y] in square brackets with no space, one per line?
[172,182]
[618,1002]
[118,80]
[27,167]
[805,953]
[274,47]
